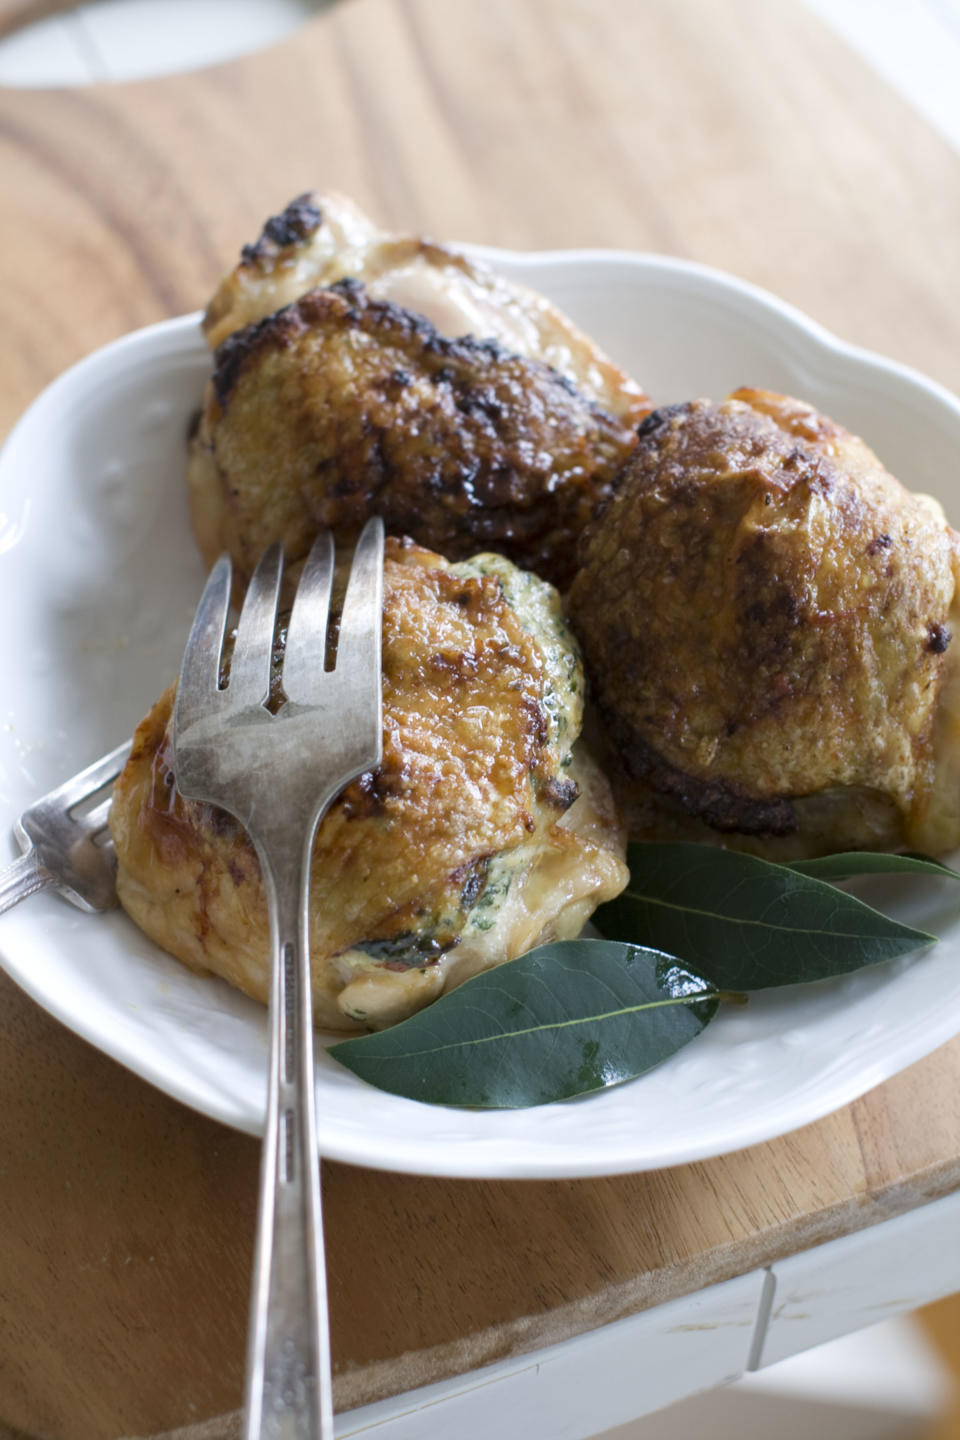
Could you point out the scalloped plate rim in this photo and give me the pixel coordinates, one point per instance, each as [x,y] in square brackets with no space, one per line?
[493,1156]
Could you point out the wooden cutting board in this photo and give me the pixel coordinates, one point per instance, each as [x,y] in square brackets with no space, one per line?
[743,135]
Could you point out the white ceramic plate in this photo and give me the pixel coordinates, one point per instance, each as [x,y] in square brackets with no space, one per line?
[98,580]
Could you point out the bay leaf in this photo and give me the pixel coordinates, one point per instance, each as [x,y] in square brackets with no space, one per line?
[872,862]
[563,1020]
[748,924]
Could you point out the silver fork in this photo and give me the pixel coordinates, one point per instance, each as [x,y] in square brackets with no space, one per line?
[277,774]
[64,844]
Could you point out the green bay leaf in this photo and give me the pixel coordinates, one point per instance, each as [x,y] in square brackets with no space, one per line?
[872,862]
[747,924]
[563,1020]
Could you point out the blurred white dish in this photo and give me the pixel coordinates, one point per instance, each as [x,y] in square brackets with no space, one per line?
[98,566]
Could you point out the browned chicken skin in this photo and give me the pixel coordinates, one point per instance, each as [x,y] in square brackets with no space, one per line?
[485,831]
[320,239]
[341,406]
[361,372]
[766,616]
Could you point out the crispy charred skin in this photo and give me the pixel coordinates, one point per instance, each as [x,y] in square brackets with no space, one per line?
[281,238]
[320,239]
[765,615]
[340,406]
[295,223]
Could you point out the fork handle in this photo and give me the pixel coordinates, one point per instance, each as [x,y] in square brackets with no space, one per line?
[24,877]
[288,1395]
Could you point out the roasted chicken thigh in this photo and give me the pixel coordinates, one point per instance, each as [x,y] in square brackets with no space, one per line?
[341,406]
[487,422]
[486,830]
[767,617]
[320,239]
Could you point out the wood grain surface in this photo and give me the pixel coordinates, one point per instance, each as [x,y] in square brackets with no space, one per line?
[742,135]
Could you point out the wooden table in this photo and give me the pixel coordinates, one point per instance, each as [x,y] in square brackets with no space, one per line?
[741,135]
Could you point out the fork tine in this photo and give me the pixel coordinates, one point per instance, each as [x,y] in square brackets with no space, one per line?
[249,679]
[199,680]
[96,819]
[307,628]
[358,648]
[101,772]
